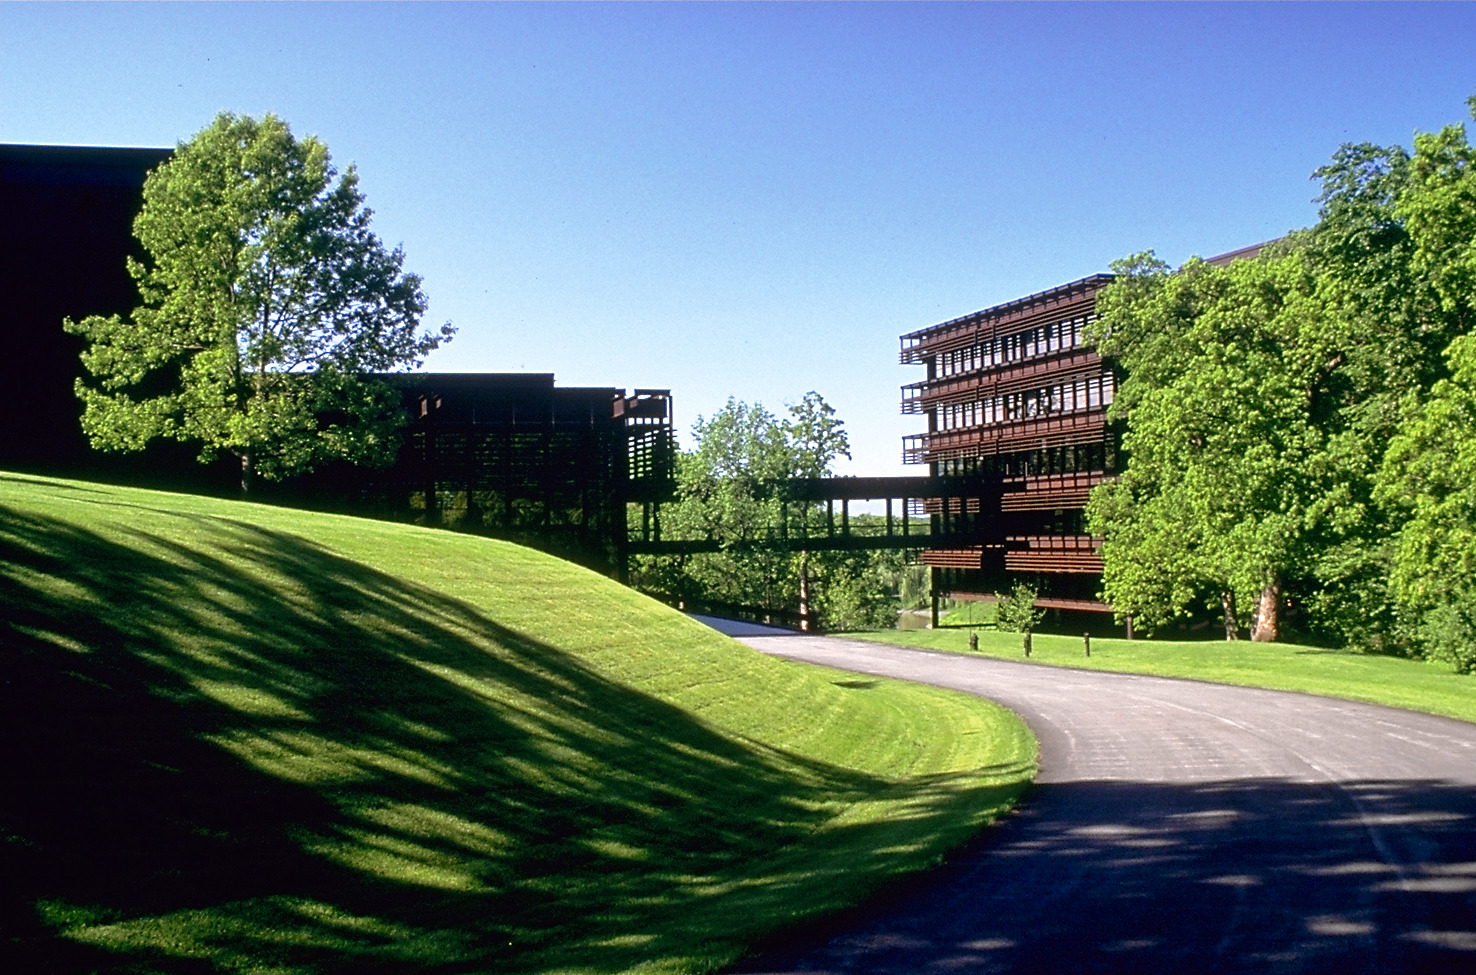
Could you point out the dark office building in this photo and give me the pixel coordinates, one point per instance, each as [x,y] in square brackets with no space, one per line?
[1013,395]
[514,456]
[66,222]
[1016,398]
[499,454]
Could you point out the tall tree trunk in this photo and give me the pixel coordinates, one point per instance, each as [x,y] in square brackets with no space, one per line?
[1266,625]
[1232,623]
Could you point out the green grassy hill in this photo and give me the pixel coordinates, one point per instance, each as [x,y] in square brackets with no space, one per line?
[249,739]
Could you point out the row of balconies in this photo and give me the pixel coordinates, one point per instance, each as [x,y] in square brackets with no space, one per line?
[919,397]
[1049,492]
[1065,301]
[1070,554]
[1039,433]
[1036,492]
[1067,554]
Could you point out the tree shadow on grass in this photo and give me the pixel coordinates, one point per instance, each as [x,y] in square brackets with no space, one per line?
[231,749]
[1244,876]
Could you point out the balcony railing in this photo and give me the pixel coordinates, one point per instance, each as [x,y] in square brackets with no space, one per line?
[1036,433]
[1065,300]
[1051,367]
[912,349]
[1047,492]
[912,397]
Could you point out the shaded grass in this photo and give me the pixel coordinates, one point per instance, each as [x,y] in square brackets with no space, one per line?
[250,739]
[1412,684]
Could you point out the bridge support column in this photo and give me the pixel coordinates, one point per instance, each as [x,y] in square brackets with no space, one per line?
[933,591]
[804,592]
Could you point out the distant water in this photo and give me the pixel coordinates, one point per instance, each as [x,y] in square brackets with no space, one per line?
[909,619]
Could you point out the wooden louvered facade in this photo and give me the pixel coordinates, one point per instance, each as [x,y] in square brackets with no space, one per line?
[1015,397]
[514,456]
[1016,402]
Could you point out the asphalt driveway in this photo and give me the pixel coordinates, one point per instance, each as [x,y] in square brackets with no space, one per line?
[1178,827]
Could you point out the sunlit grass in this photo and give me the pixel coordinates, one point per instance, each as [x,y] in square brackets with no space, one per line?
[1397,682]
[261,740]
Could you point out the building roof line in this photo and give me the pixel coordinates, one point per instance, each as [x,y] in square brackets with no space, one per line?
[1090,281]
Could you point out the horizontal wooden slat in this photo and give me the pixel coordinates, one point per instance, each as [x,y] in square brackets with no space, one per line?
[1054,562]
[1051,491]
[1059,431]
[1065,301]
[1042,371]
[954,558]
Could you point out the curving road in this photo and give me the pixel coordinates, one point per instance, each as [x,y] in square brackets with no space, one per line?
[1176,827]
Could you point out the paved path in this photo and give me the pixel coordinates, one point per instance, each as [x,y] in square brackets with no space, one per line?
[1180,827]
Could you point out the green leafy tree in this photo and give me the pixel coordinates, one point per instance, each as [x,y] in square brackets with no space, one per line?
[722,496]
[1378,313]
[1261,400]
[1439,211]
[814,437]
[859,590]
[267,302]
[1017,612]
[1429,470]
[731,490]
[1224,367]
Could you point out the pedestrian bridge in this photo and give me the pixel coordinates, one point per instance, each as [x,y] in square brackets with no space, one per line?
[910,504]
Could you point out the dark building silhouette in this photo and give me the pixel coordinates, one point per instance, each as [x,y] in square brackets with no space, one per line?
[513,455]
[509,455]
[66,223]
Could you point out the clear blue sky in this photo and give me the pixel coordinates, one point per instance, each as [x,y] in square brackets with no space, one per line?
[757,200]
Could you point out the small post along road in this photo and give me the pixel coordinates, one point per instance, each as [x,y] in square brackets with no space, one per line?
[1177,826]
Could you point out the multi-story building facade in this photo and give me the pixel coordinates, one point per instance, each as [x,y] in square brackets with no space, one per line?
[1016,398]
[512,455]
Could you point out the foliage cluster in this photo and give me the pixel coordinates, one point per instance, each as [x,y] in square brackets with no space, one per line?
[1297,425]
[267,305]
[731,490]
[1017,612]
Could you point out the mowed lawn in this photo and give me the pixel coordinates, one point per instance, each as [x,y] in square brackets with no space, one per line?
[1416,685]
[249,739]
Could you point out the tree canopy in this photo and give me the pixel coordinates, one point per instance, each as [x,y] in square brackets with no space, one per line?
[1224,367]
[267,302]
[1428,475]
[730,490]
[1296,426]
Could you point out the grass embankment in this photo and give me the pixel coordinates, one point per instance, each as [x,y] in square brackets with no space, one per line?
[243,738]
[1397,682]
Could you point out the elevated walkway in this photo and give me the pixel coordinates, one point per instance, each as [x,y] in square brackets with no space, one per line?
[910,505]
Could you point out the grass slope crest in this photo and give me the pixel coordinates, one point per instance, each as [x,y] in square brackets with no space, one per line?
[263,740]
